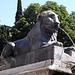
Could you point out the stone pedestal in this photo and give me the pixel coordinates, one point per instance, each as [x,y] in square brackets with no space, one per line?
[44,61]
[29,58]
[39,68]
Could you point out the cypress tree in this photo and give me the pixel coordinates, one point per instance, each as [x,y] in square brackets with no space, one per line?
[19,11]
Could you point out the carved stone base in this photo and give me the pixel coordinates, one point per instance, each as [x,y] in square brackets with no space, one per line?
[29,58]
[39,68]
[52,58]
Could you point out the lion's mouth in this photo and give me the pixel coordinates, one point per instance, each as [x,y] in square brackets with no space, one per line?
[51,28]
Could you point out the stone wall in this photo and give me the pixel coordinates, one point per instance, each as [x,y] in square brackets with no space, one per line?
[52,57]
[29,58]
[39,68]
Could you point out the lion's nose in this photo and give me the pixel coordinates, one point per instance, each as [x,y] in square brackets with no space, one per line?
[57,21]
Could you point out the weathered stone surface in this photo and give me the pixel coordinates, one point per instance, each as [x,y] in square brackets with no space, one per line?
[39,72]
[29,58]
[53,57]
[26,68]
[39,68]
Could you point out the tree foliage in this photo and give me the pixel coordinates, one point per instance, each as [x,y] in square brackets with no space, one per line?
[19,11]
[31,13]
[20,30]
[4,37]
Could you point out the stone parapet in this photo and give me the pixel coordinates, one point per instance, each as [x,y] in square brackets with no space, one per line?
[29,58]
[54,58]
[39,68]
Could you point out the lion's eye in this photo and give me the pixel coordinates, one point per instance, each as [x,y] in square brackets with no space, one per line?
[51,15]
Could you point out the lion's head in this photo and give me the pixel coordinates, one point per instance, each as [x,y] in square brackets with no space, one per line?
[46,27]
[49,20]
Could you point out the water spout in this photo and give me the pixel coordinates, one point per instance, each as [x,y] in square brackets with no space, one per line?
[67,35]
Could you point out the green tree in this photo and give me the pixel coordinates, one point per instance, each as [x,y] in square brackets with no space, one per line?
[19,11]
[20,30]
[3,37]
[31,13]
[50,5]
[73,15]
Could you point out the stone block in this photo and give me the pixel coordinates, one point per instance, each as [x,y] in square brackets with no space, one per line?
[57,56]
[39,68]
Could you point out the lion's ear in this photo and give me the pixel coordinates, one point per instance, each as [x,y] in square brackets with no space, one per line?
[40,15]
[39,18]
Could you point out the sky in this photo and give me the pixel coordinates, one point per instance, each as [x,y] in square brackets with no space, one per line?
[8,8]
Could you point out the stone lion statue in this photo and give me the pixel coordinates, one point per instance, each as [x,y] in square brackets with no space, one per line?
[44,33]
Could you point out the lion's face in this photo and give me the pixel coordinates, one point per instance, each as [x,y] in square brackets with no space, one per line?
[50,21]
